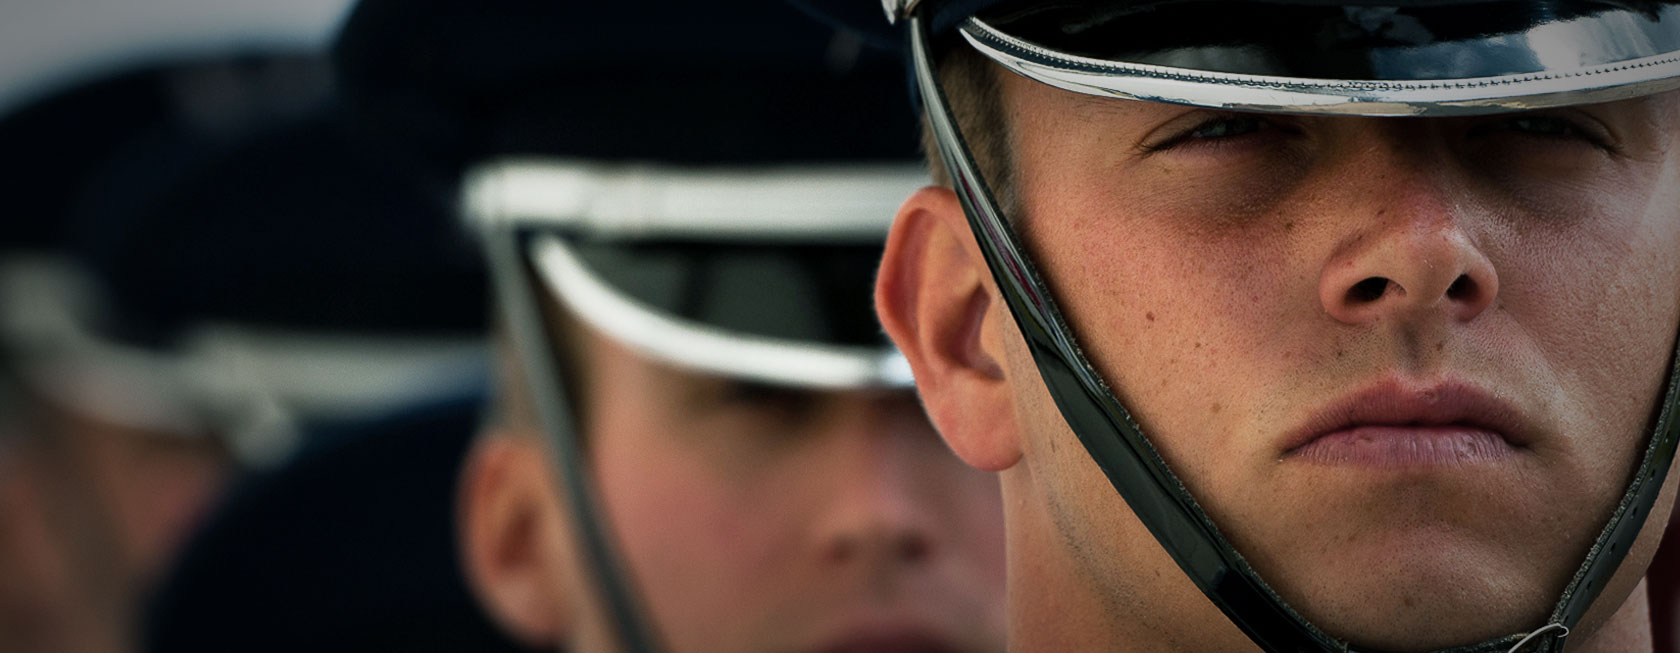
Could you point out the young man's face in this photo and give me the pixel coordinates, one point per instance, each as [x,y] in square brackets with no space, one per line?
[762,519]
[1475,314]
[91,514]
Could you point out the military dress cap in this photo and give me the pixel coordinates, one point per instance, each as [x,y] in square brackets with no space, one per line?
[712,83]
[76,85]
[716,202]
[48,147]
[710,183]
[1353,57]
[227,257]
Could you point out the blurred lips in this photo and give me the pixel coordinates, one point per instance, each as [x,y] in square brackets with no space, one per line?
[1394,424]
[888,640]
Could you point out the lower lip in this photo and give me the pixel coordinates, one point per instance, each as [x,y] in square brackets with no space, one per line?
[1406,446]
[888,647]
[890,644]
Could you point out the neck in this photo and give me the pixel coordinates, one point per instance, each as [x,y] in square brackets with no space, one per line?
[1055,603]
[1628,629]
[1058,603]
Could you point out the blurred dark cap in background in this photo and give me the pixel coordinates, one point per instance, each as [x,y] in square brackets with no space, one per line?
[712,83]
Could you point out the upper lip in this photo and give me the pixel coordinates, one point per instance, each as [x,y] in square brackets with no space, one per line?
[1395,402]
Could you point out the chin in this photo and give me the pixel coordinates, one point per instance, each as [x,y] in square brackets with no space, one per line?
[1421,591]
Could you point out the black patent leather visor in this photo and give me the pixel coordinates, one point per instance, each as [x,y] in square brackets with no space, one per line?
[1344,59]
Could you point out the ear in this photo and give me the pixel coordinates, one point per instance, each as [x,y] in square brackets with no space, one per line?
[512,538]
[935,298]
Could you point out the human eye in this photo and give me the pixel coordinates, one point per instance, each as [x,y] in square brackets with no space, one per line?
[1545,128]
[1226,128]
[752,392]
[768,399]
[1542,125]
[1211,131]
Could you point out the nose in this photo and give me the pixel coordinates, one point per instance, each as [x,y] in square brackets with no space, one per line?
[877,516]
[1412,259]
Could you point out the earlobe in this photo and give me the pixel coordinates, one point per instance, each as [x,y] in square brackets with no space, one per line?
[935,299]
[511,540]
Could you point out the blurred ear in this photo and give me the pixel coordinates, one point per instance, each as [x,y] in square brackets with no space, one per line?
[513,539]
[935,298]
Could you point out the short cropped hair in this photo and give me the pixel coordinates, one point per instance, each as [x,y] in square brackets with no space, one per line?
[973,90]
[512,399]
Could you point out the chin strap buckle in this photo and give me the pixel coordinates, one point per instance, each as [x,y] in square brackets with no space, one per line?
[1561,631]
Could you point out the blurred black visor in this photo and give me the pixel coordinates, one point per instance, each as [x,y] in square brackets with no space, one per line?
[762,273]
[1356,58]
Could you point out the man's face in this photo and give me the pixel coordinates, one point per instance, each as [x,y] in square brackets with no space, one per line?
[91,513]
[755,518]
[1475,314]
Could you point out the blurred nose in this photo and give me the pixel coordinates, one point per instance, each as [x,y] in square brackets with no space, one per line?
[1408,255]
[877,515]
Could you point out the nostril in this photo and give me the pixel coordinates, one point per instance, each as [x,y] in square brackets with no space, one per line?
[842,551]
[913,549]
[1368,291]
[901,546]
[1462,288]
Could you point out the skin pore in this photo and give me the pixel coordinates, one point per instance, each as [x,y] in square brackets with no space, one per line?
[1218,269]
[752,518]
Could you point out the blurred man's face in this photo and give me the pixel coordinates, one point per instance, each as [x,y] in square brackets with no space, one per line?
[755,518]
[1406,364]
[91,513]
[766,519]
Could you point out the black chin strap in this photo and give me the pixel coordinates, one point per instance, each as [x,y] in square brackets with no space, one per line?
[1623,528]
[1159,499]
[524,314]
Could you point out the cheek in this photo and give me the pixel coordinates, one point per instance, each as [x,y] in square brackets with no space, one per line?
[1600,297]
[178,485]
[687,521]
[676,509]
[1175,311]
[694,521]
[154,487]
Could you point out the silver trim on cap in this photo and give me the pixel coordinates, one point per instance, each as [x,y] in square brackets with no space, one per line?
[1562,86]
[898,9]
[818,203]
[705,348]
[252,386]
